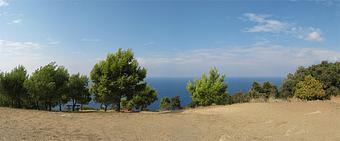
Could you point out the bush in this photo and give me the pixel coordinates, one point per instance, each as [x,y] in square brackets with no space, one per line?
[165,104]
[239,98]
[127,105]
[209,89]
[175,103]
[327,73]
[310,89]
[264,91]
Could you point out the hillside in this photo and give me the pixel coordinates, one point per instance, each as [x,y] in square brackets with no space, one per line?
[317,120]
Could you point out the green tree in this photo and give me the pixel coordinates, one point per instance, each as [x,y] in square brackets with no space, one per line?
[209,89]
[310,89]
[144,98]
[12,86]
[175,103]
[47,86]
[78,90]
[266,90]
[165,103]
[61,78]
[256,90]
[327,73]
[116,77]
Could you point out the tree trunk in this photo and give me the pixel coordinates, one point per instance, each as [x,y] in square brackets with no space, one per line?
[105,108]
[46,106]
[118,105]
[19,103]
[37,104]
[60,106]
[73,104]
[12,103]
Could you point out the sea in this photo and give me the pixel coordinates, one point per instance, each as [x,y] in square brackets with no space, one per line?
[169,87]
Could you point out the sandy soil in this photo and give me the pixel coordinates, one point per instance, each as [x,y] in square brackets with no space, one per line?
[318,120]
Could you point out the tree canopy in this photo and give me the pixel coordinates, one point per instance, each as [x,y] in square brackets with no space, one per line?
[12,85]
[78,90]
[266,90]
[327,73]
[309,89]
[118,76]
[209,89]
[144,98]
[48,85]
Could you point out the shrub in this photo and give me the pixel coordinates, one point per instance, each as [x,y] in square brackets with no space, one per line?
[175,103]
[209,89]
[239,98]
[165,104]
[310,89]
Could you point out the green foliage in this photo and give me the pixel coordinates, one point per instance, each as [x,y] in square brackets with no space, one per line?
[310,89]
[118,76]
[209,90]
[327,73]
[127,104]
[239,98]
[12,86]
[165,104]
[144,98]
[264,91]
[78,90]
[47,86]
[4,100]
[175,103]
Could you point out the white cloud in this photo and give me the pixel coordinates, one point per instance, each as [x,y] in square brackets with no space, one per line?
[266,24]
[5,44]
[3,3]
[14,53]
[314,36]
[255,60]
[17,21]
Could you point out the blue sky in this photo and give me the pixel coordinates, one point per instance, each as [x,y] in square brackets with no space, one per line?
[172,38]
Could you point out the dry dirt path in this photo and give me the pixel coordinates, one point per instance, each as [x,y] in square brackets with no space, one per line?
[318,120]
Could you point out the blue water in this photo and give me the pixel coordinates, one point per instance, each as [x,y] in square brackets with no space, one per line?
[169,87]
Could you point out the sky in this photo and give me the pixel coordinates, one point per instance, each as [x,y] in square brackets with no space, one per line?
[172,38]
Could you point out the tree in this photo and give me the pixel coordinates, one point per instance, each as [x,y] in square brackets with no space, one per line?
[144,98]
[175,103]
[118,76]
[310,89]
[47,85]
[209,90]
[61,78]
[266,90]
[256,90]
[12,85]
[78,90]
[327,73]
[287,87]
[165,104]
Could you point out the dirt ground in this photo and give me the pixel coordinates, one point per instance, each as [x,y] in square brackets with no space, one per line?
[317,120]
